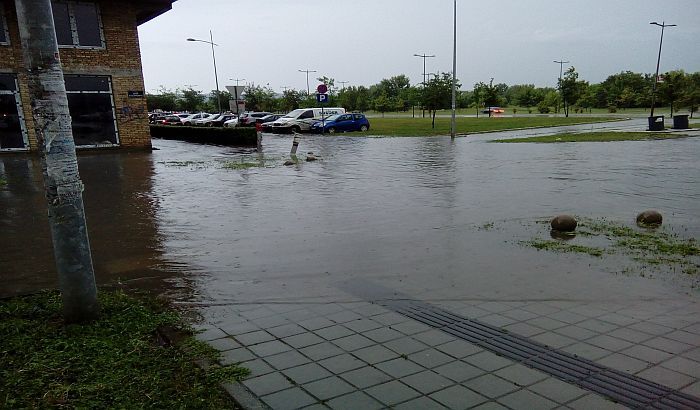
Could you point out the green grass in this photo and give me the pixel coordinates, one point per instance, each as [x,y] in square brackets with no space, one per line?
[115,362]
[242,165]
[558,246]
[596,137]
[409,127]
[3,182]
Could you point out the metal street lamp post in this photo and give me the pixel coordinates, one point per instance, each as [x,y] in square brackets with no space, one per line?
[213,56]
[424,57]
[308,89]
[658,62]
[453,123]
[561,71]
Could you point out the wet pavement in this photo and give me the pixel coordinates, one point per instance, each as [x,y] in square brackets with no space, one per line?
[280,261]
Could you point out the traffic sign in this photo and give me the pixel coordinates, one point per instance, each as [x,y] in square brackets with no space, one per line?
[322,88]
[322,98]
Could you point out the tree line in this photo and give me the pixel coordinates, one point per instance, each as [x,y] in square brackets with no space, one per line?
[676,89]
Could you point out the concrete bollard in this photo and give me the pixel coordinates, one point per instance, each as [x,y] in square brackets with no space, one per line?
[564,223]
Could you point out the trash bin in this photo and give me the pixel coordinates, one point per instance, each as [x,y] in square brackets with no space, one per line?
[656,123]
[680,122]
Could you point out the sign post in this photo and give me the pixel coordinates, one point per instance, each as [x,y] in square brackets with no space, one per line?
[322,98]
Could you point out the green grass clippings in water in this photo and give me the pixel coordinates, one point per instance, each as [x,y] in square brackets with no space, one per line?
[114,362]
[242,165]
[558,246]
[596,137]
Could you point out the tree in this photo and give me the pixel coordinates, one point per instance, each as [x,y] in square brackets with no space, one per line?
[259,98]
[192,100]
[672,88]
[571,89]
[290,100]
[212,103]
[437,93]
[383,103]
[165,100]
[691,96]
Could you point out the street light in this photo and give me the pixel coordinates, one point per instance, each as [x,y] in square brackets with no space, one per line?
[213,56]
[308,90]
[561,71]
[453,123]
[658,61]
[424,57]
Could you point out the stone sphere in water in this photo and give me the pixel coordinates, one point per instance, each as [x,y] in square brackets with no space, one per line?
[650,217]
[564,223]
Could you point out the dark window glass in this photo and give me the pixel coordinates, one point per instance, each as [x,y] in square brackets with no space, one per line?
[7,82]
[93,118]
[88,25]
[61,20]
[307,114]
[10,128]
[3,34]
[86,83]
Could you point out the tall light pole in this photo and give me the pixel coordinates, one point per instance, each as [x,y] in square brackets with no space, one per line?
[343,83]
[453,124]
[308,90]
[424,57]
[561,71]
[213,56]
[658,62]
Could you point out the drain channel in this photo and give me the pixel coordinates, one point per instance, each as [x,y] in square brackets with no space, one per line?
[619,386]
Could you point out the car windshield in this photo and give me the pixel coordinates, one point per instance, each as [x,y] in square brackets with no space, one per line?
[295,113]
[333,117]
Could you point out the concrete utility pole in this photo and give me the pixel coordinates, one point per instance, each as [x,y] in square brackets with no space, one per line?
[424,57]
[308,89]
[52,124]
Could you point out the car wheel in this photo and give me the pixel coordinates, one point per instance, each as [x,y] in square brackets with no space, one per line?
[364,128]
[331,130]
[188,123]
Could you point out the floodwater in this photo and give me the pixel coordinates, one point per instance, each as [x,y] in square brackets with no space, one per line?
[431,217]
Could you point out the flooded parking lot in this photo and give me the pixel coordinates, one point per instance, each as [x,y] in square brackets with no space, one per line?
[430,217]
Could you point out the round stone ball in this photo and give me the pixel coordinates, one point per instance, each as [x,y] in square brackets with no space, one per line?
[564,223]
[650,217]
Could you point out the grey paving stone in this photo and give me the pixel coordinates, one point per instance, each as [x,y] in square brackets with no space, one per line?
[326,309]
[597,325]
[235,356]
[421,403]
[315,323]
[353,342]
[520,315]
[618,319]
[524,329]
[399,367]
[433,337]
[490,386]
[257,367]
[355,401]
[666,377]
[286,360]
[693,389]
[521,375]
[252,338]
[587,351]
[623,363]
[683,365]
[369,309]
[497,320]
[683,336]
[575,332]
[668,345]
[427,382]
[568,317]
[303,340]
[488,361]
[410,327]
[362,325]
[524,399]
[459,348]
[392,393]
[321,351]
[342,363]
[547,323]
[458,397]
[269,348]
[307,373]
[458,371]
[557,390]
[491,405]
[299,315]
[289,399]
[271,321]
[694,328]
[554,340]
[630,335]
[286,330]
[472,312]
[224,344]
[383,334]
[267,384]
[651,328]
[693,354]
[390,318]
[365,377]
[211,333]
[593,401]
[647,354]
[430,358]
[609,343]
[495,307]
[257,313]
[375,354]
[333,332]
[344,316]
[328,388]
[405,345]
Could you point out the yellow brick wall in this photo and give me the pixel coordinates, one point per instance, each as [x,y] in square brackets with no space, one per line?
[120,59]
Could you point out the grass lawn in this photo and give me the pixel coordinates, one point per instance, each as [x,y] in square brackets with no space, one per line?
[414,127]
[598,137]
[115,362]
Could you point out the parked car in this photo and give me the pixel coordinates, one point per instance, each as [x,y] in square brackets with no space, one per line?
[248,119]
[342,123]
[266,121]
[189,120]
[202,121]
[301,119]
[170,120]
[493,110]
[231,123]
[219,122]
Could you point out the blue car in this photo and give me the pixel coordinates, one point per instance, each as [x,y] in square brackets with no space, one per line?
[342,123]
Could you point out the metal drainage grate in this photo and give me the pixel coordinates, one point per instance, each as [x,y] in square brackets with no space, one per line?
[619,386]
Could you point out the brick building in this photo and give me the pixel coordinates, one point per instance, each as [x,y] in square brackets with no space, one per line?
[99,47]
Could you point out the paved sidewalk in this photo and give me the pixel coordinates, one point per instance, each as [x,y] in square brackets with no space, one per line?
[361,355]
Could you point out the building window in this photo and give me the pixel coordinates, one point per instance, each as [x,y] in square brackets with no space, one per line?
[4,35]
[92,109]
[78,24]
[13,135]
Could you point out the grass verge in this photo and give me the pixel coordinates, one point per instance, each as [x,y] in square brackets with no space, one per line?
[597,137]
[421,127]
[114,362]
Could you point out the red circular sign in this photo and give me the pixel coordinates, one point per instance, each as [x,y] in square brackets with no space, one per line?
[322,88]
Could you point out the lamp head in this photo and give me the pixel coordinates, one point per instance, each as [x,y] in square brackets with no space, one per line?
[191,39]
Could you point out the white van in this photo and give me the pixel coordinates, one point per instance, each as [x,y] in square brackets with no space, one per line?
[301,119]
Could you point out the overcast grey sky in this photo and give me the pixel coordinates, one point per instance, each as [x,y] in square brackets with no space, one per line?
[364,41]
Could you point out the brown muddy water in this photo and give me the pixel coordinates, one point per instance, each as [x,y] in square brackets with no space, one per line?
[432,217]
